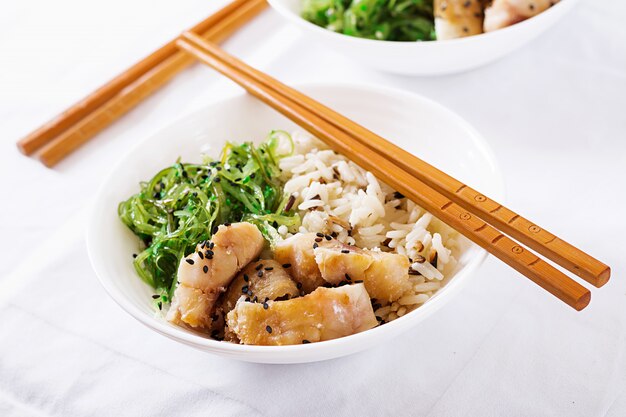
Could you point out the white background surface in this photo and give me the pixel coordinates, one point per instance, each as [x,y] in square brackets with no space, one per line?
[554,112]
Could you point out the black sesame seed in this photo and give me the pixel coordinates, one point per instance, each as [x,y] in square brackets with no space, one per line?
[218,168]
[265,305]
[259,274]
[299,285]
[328,237]
[205,269]
[215,229]
[201,255]
[333,234]
[227,224]
[255,299]
[345,251]
[134,255]
[268,329]
[379,318]
[398,195]
[209,252]
[189,261]
[290,202]
[376,306]
[252,175]
[358,281]
[249,293]
[304,342]
[348,277]
[247,300]
[269,268]
[218,179]
[246,278]
[259,266]
[319,234]
[275,224]
[155,296]
[318,239]
[244,289]
[315,245]
[286,265]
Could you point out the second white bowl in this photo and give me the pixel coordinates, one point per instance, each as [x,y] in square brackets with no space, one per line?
[427,58]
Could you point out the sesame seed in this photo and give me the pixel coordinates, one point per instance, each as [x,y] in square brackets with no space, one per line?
[209,252]
[215,229]
[244,289]
[286,265]
[299,285]
[328,237]
[345,251]
[249,293]
[134,255]
[160,304]
[265,305]
[269,268]
[247,300]
[205,269]
[304,342]
[268,329]
[227,224]
[358,281]
[259,266]
[318,239]
[218,179]
[348,277]
[319,234]
[201,255]
[189,261]
[315,245]
[290,202]
[246,278]
[211,245]
[259,274]
[155,296]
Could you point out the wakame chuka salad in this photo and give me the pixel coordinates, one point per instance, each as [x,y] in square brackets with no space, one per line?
[392,20]
[183,204]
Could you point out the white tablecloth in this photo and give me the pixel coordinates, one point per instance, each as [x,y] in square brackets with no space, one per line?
[554,112]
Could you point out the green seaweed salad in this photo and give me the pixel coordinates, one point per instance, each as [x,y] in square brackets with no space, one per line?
[391,20]
[183,204]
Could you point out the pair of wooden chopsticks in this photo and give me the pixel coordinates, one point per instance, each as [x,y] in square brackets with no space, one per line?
[72,128]
[471,213]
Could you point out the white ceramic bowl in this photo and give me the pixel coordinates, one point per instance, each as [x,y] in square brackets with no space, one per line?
[427,58]
[413,122]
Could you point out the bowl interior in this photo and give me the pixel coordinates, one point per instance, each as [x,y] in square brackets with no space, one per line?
[417,124]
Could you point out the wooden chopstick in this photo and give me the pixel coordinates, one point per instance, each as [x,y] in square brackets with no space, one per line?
[78,111]
[132,94]
[509,222]
[504,248]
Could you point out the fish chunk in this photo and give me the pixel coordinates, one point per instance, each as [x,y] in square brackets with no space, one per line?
[458,18]
[297,250]
[385,275]
[274,283]
[503,13]
[205,274]
[325,314]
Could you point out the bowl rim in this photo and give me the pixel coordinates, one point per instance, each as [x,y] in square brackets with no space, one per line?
[391,329]
[282,9]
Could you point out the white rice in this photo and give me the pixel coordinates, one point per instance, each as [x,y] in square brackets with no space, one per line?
[334,194]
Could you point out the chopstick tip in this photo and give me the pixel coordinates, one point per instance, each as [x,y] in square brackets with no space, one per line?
[583,301]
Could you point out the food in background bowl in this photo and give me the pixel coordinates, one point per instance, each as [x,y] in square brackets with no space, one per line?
[284,243]
[419,20]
